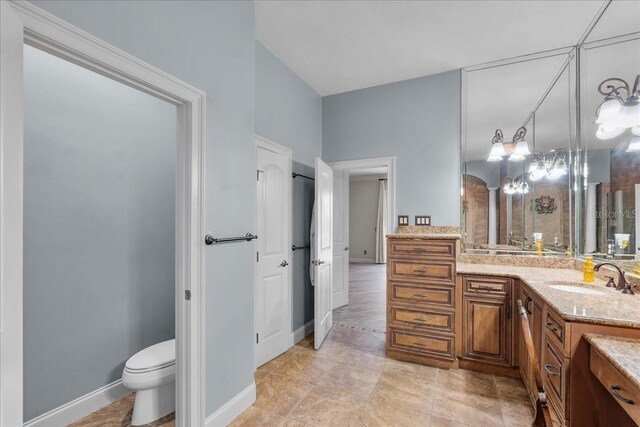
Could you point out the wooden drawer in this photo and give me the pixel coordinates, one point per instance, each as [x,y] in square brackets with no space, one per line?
[441,296]
[428,319]
[555,375]
[556,329]
[428,344]
[431,271]
[624,391]
[442,249]
[485,285]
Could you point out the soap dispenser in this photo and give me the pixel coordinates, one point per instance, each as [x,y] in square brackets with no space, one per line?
[588,271]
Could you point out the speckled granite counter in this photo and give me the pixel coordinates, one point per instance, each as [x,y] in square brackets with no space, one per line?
[623,353]
[423,236]
[601,305]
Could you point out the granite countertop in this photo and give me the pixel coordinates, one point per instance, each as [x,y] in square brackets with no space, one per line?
[600,305]
[423,236]
[623,353]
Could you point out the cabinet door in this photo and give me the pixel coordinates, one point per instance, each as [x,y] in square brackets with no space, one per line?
[487,329]
[523,357]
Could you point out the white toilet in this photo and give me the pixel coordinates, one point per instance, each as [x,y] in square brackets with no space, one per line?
[151,374]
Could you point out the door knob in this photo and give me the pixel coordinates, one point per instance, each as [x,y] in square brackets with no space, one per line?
[346,248]
[317,262]
[284,263]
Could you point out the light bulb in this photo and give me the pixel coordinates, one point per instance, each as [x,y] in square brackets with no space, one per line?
[522,148]
[634,144]
[533,166]
[559,169]
[539,173]
[609,131]
[608,110]
[636,130]
[509,189]
[497,152]
[516,157]
[629,116]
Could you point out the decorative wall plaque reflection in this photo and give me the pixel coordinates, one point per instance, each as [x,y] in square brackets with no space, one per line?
[465,206]
[545,205]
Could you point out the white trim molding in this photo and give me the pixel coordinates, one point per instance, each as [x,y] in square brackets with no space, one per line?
[390,163]
[81,407]
[230,410]
[23,23]
[302,332]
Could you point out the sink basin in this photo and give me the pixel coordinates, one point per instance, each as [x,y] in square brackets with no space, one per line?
[577,289]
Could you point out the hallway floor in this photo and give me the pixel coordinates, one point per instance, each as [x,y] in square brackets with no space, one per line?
[350,382]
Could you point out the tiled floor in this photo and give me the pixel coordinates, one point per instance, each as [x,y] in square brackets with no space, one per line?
[350,382]
[118,414]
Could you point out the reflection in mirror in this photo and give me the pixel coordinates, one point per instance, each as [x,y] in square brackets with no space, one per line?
[516,157]
[610,120]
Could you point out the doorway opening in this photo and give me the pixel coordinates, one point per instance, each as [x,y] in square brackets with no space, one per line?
[364,200]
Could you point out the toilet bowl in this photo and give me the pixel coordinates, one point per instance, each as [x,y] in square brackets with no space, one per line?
[151,374]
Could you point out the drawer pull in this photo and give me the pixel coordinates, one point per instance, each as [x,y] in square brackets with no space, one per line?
[485,288]
[420,271]
[550,371]
[553,327]
[526,305]
[615,390]
[419,344]
[420,295]
[419,319]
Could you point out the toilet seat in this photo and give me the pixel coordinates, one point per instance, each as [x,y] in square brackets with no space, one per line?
[152,358]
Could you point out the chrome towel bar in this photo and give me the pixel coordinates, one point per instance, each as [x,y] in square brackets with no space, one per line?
[210,240]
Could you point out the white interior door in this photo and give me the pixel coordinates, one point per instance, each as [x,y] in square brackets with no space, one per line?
[273,298]
[323,275]
[340,238]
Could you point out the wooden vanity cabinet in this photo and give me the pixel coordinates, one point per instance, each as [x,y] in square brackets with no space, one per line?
[487,319]
[421,300]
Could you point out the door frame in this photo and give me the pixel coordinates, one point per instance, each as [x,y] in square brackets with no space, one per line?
[267,144]
[390,163]
[24,23]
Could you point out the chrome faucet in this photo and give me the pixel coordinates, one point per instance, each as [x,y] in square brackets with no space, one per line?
[623,285]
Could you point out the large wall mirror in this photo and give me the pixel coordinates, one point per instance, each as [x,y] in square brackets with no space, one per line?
[610,136]
[551,147]
[517,154]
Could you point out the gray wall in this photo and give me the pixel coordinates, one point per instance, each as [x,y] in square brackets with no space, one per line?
[418,121]
[209,45]
[289,113]
[364,192]
[99,227]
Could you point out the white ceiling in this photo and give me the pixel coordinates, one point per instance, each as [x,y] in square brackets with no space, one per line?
[339,46]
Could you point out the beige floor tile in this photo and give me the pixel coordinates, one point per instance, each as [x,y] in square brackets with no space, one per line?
[105,417]
[445,422]
[382,413]
[427,373]
[353,379]
[511,389]
[255,416]
[305,368]
[406,391]
[467,381]
[278,394]
[125,404]
[337,408]
[516,413]
[469,408]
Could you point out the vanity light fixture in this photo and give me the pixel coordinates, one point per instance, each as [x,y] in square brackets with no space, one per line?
[634,144]
[620,109]
[517,148]
[551,165]
[518,185]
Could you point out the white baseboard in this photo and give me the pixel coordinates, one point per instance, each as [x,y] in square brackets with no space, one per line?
[363,260]
[232,408]
[81,407]
[302,331]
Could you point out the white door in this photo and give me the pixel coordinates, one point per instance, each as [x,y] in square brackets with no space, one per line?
[273,299]
[340,238]
[323,276]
